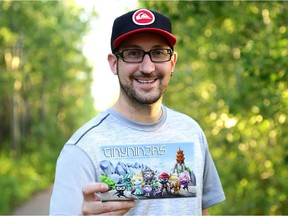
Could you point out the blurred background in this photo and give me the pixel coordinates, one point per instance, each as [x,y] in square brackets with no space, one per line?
[231,77]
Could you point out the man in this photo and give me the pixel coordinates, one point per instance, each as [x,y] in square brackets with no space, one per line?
[143,58]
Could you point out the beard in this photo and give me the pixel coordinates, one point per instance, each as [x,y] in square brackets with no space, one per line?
[133,95]
[139,97]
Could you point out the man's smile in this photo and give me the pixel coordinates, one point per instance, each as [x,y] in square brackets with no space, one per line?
[145,81]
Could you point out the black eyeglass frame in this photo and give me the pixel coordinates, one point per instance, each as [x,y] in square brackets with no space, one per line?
[169,51]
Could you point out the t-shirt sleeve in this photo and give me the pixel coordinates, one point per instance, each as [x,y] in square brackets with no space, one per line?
[74,169]
[212,188]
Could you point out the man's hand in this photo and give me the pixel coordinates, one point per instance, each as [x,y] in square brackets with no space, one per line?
[92,202]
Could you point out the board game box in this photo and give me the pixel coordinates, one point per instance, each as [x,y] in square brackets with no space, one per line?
[151,171]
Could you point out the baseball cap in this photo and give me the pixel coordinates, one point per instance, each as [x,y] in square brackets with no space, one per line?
[141,20]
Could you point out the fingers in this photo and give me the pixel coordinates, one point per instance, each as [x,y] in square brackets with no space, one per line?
[117,206]
[109,208]
[121,212]
[89,191]
[92,203]
[94,187]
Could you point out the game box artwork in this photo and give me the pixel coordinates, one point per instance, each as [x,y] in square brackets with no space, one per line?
[148,171]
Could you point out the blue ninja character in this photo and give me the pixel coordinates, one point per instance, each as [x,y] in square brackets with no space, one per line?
[120,188]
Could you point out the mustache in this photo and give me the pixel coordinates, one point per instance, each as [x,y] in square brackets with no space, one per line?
[147,76]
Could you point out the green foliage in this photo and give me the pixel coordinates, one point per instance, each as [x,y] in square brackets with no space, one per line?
[19,179]
[51,82]
[108,181]
[231,76]
[45,91]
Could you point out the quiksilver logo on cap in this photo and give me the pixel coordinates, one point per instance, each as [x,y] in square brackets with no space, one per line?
[143,17]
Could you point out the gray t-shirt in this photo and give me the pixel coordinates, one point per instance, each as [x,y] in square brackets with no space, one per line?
[78,163]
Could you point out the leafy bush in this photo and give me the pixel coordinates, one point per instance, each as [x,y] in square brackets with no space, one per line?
[21,178]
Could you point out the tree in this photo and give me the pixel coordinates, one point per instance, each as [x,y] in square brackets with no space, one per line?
[50,86]
[45,91]
[231,76]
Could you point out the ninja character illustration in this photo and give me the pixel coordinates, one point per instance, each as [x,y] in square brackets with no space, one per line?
[120,188]
[148,176]
[184,179]
[137,181]
[175,184]
[137,190]
[127,182]
[147,189]
[156,190]
[164,181]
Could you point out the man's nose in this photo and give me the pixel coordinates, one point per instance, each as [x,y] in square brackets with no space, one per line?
[147,66]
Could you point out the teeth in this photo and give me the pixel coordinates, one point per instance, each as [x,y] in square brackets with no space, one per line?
[146,81]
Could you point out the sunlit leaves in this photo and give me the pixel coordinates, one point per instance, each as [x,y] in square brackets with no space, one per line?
[44,73]
[231,76]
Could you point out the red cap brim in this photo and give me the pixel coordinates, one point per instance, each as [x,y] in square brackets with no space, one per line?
[168,36]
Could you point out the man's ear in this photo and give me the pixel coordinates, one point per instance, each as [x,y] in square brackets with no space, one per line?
[174,60]
[112,59]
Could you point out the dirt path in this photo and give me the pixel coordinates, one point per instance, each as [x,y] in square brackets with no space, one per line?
[37,205]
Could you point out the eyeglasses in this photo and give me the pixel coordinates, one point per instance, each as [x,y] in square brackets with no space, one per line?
[137,55]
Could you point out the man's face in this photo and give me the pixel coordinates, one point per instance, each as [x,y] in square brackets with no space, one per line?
[145,82]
